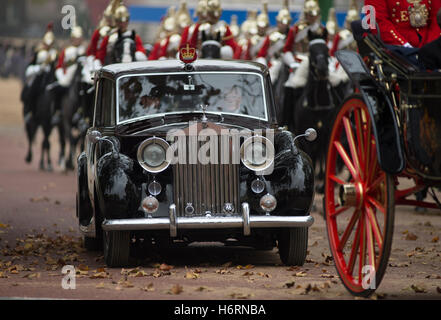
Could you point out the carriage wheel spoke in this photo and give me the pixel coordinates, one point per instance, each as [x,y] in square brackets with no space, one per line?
[338,211]
[376,182]
[352,146]
[342,152]
[359,126]
[348,231]
[362,254]
[336,179]
[370,243]
[355,247]
[376,204]
[375,227]
[367,145]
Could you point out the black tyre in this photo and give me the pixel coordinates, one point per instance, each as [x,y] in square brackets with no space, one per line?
[293,246]
[116,245]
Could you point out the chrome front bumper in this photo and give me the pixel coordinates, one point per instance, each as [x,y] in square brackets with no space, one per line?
[172,223]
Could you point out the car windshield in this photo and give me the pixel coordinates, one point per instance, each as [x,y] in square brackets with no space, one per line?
[142,96]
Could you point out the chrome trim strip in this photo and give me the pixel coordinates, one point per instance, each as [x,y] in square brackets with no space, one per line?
[207,223]
[246,219]
[187,73]
[173,225]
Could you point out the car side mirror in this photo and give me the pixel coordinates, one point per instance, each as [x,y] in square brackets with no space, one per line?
[310,135]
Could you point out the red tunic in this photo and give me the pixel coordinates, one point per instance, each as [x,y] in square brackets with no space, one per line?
[93,45]
[102,51]
[393,20]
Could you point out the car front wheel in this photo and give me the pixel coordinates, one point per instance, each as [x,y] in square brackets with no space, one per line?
[293,245]
[116,248]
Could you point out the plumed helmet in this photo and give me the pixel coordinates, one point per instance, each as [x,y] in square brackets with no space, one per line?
[77,32]
[201,9]
[183,17]
[49,37]
[262,18]
[311,7]
[214,8]
[249,26]
[352,14]
[284,16]
[169,24]
[122,13]
[331,24]
[111,8]
[234,27]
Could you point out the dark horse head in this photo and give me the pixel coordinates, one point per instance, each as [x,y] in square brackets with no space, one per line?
[124,45]
[211,46]
[318,54]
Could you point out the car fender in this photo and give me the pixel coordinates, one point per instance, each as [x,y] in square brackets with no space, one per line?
[118,195]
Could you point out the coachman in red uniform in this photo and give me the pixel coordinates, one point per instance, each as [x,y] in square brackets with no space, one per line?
[407,22]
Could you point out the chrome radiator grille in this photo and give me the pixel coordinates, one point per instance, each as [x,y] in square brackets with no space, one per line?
[206,188]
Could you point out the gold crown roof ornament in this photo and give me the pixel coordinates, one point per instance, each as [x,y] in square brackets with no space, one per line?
[284,16]
[122,13]
[262,18]
[183,16]
[352,14]
[331,24]
[49,37]
[311,7]
[214,8]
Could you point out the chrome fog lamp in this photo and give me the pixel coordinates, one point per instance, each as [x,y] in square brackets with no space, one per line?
[257,186]
[154,188]
[150,204]
[257,153]
[152,155]
[268,202]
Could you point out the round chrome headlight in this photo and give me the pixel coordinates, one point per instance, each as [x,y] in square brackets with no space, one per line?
[257,153]
[152,155]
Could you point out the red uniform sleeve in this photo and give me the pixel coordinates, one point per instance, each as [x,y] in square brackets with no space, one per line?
[194,36]
[434,30]
[92,48]
[388,32]
[139,45]
[290,39]
[154,54]
[263,52]
[238,52]
[60,63]
[163,50]
[102,51]
[229,39]
[334,44]
[184,36]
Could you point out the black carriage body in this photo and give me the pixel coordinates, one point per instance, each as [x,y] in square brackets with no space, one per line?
[215,200]
[404,105]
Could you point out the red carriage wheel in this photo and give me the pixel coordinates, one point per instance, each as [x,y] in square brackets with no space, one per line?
[359,201]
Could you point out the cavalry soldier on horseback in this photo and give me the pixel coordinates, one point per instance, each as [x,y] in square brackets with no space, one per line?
[409,23]
[248,31]
[296,44]
[271,48]
[173,27]
[43,61]
[190,33]
[344,39]
[263,25]
[66,68]
[214,27]
[123,45]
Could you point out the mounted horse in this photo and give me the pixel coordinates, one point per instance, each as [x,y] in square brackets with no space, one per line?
[313,92]
[37,109]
